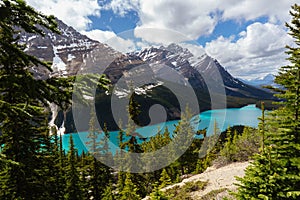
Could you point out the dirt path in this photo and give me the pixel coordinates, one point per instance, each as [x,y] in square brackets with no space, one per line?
[222,177]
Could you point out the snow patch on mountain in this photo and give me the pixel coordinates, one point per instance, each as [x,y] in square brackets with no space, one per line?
[58,63]
[32,37]
[122,93]
[70,57]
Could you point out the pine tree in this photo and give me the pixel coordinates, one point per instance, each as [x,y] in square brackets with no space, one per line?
[130,191]
[183,136]
[108,193]
[98,146]
[275,172]
[23,101]
[54,179]
[84,163]
[132,145]
[121,180]
[73,189]
[157,194]
[118,158]
[164,179]
[230,149]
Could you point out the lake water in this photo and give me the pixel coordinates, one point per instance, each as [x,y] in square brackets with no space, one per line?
[224,118]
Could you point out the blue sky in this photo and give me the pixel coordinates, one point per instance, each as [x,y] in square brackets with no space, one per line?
[246,36]
[109,21]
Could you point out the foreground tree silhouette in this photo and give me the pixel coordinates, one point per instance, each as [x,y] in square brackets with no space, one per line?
[275,172]
[23,100]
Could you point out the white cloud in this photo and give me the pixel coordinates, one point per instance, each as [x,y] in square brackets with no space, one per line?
[159,35]
[195,18]
[191,18]
[99,35]
[195,49]
[110,38]
[275,11]
[73,12]
[123,6]
[258,50]
[121,44]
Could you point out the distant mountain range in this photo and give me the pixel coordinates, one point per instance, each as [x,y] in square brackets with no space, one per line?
[259,82]
[72,52]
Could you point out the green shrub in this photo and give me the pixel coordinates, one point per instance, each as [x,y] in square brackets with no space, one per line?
[239,148]
[180,193]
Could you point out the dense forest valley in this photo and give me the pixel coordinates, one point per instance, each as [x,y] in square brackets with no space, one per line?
[34,164]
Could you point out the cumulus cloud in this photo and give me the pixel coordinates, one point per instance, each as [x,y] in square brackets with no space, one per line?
[159,36]
[275,11]
[110,38]
[258,50]
[99,35]
[123,6]
[196,49]
[191,18]
[73,12]
[195,18]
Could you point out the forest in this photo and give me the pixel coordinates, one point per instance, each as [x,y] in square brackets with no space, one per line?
[34,165]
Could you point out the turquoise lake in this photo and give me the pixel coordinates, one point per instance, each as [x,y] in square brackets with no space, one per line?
[247,116]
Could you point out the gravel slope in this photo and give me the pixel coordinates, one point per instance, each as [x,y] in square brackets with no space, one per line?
[222,177]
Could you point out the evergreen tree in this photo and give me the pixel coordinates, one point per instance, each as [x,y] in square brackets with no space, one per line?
[130,191]
[208,151]
[230,149]
[108,193]
[73,189]
[275,172]
[157,194]
[59,173]
[183,136]
[164,179]
[84,163]
[98,146]
[131,145]
[118,158]
[121,181]
[134,109]
[54,179]
[23,100]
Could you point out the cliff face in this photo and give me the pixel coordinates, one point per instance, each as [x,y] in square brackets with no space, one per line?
[69,51]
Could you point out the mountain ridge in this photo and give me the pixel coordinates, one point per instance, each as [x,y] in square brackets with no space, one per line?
[72,53]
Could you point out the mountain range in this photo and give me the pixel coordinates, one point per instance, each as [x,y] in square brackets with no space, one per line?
[260,82]
[71,52]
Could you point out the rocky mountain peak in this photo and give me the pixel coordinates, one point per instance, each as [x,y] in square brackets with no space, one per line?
[176,49]
[195,67]
[67,51]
